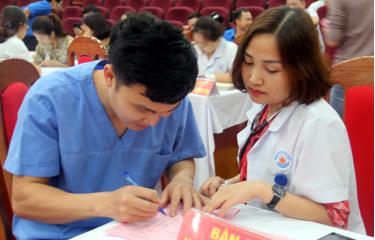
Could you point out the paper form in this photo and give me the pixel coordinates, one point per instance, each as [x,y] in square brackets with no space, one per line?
[160,227]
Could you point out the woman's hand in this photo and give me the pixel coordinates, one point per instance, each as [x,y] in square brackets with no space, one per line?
[211,185]
[230,195]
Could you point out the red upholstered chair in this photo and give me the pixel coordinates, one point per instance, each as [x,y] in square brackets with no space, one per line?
[103,10]
[12,98]
[359,121]
[84,59]
[3,3]
[110,4]
[217,3]
[72,11]
[156,11]
[16,75]
[136,4]
[66,3]
[93,2]
[68,24]
[254,10]
[22,3]
[275,3]
[206,11]
[248,3]
[117,12]
[178,14]
[163,4]
[193,4]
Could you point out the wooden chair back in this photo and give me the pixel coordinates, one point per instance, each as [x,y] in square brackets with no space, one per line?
[354,72]
[85,46]
[11,71]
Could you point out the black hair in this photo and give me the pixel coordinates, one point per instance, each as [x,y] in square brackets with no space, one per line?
[90,8]
[209,28]
[11,19]
[217,17]
[154,54]
[237,13]
[48,24]
[193,15]
[98,24]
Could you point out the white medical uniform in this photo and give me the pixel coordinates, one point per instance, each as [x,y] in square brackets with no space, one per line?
[310,145]
[220,62]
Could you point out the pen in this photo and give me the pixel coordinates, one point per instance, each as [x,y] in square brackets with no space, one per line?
[134,183]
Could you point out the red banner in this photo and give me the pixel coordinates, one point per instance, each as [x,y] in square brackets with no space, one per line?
[202,226]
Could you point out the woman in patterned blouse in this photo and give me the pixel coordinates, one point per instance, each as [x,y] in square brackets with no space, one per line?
[53,42]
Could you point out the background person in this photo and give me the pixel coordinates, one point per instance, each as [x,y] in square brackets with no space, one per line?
[215,54]
[13,28]
[53,42]
[242,19]
[96,25]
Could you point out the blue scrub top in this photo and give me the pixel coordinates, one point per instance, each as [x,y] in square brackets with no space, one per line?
[64,133]
[40,8]
[230,34]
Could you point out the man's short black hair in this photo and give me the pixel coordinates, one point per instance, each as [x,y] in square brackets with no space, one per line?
[155,54]
[193,15]
[237,13]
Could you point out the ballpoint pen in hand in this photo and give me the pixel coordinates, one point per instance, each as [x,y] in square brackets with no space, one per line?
[134,183]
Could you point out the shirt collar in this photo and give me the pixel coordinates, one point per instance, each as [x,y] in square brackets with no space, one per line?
[279,120]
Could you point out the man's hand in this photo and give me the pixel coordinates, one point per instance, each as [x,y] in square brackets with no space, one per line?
[132,203]
[181,189]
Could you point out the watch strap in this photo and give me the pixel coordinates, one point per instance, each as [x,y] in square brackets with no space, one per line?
[278,193]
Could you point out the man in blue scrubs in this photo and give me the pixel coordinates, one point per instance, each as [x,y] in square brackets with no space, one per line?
[242,18]
[79,129]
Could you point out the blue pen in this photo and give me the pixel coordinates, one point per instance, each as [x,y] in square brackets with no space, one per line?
[134,183]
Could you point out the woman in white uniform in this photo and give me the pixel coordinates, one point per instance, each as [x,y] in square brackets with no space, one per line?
[215,54]
[295,154]
[13,28]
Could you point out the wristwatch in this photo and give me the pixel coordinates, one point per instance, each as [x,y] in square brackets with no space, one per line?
[278,193]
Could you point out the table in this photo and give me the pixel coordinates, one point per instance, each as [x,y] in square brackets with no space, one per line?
[213,115]
[260,220]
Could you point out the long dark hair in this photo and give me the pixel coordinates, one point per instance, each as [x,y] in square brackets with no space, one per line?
[11,19]
[48,24]
[98,24]
[210,27]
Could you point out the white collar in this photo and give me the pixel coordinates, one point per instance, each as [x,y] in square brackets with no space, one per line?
[281,118]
